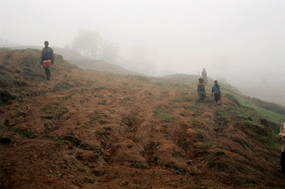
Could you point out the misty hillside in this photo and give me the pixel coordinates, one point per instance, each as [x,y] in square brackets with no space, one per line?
[191,80]
[89,129]
[77,59]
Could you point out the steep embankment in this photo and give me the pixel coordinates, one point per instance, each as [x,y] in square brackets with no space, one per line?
[86,129]
[268,105]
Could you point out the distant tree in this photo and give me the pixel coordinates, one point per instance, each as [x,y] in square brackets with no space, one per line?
[67,46]
[138,59]
[88,43]
[4,43]
[110,53]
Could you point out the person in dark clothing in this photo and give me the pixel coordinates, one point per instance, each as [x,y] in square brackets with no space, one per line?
[281,136]
[47,58]
[201,89]
[216,91]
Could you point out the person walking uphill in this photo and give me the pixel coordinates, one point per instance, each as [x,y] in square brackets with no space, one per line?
[216,91]
[201,89]
[281,136]
[47,58]
[204,75]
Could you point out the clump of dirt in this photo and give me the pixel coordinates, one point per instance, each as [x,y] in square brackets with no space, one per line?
[86,129]
[5,97]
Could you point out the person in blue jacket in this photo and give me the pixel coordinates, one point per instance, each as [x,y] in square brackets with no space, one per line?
[216,91]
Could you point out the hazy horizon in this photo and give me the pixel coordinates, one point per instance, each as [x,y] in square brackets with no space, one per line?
[242,41]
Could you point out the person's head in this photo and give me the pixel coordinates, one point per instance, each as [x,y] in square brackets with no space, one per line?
[203,69]
[215,82]
[46,43]
[201,80]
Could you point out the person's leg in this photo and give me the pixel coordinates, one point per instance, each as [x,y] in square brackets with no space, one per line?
[203,95]
[216,98]
[200,93]
[47,70]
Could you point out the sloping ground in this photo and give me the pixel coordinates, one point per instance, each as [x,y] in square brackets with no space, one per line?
[85,129]
[77,59]
[192,81]
[268,105]
[101,66]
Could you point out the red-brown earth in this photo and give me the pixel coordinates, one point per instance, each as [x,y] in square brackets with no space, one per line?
[86,129]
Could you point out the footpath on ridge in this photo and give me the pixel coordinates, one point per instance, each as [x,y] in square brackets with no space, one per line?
[86,129]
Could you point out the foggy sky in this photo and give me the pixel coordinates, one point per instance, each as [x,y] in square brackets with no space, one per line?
[242,41]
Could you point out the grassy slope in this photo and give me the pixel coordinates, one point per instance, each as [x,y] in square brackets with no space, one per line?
[225,143]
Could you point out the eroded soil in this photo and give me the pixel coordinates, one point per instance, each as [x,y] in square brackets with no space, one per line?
[86,129]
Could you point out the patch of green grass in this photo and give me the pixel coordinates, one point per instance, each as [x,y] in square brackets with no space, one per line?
[158,109]
[70,139]
[253,123]
[139,165]
[62,110]
[166,117]
[139,187]
[5,136]
[200,134]
[224,112]
[207,144]
[23,133]
[50,110]
[99,116]
[70,133]
[249,185]
[194,107]
[56,102]
[219,152]
[127,98]
[195,122]
[47,116]
[272,141]
[177,171]
[164,113]
[183,98]
[20,99]
[269,115]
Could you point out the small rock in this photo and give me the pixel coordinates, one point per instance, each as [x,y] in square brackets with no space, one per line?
[5,140]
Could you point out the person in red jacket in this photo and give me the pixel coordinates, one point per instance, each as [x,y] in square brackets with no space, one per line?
[47,58]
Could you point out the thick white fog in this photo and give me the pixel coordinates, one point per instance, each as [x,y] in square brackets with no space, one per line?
[241,41]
